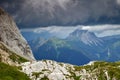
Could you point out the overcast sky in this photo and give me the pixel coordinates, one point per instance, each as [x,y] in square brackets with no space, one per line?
[63,16]
[42,13]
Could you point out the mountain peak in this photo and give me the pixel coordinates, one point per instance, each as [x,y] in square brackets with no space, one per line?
[80,32]
[85,36]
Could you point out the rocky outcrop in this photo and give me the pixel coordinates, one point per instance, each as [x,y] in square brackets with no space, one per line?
[47,70]
[7,56]
[10,35]
[51,70]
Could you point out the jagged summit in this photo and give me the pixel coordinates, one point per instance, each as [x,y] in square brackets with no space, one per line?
[10,35]
[85,36]
[80,33]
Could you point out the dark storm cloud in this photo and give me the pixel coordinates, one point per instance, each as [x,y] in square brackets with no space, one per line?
[36,13]
[12,6]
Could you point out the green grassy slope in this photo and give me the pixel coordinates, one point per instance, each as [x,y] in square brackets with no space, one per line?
[8,72]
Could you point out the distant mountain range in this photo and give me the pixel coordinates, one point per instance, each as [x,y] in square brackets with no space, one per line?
[80,47]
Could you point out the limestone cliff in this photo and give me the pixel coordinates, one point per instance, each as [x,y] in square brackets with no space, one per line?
[10,36]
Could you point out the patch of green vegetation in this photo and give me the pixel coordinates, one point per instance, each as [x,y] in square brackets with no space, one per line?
[106,64]
[73,75]
[114,72]
[19,67]
[0,58]
[8,72]
[45,70]
[99,68]
[59,42]
[61,64]
[111,67]
[16,58]
[78,68]
[101,74]
[44,61]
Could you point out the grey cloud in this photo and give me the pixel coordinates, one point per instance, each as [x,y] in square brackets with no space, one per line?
[34,13]
[108,33]
[62,32]
[101,28]
[118,2]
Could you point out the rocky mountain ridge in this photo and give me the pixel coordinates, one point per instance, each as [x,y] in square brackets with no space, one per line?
[88,38]
[10,35]
[78,43]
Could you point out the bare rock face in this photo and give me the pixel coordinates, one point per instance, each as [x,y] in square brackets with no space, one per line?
[10,35]
[9,57]
[51,70]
